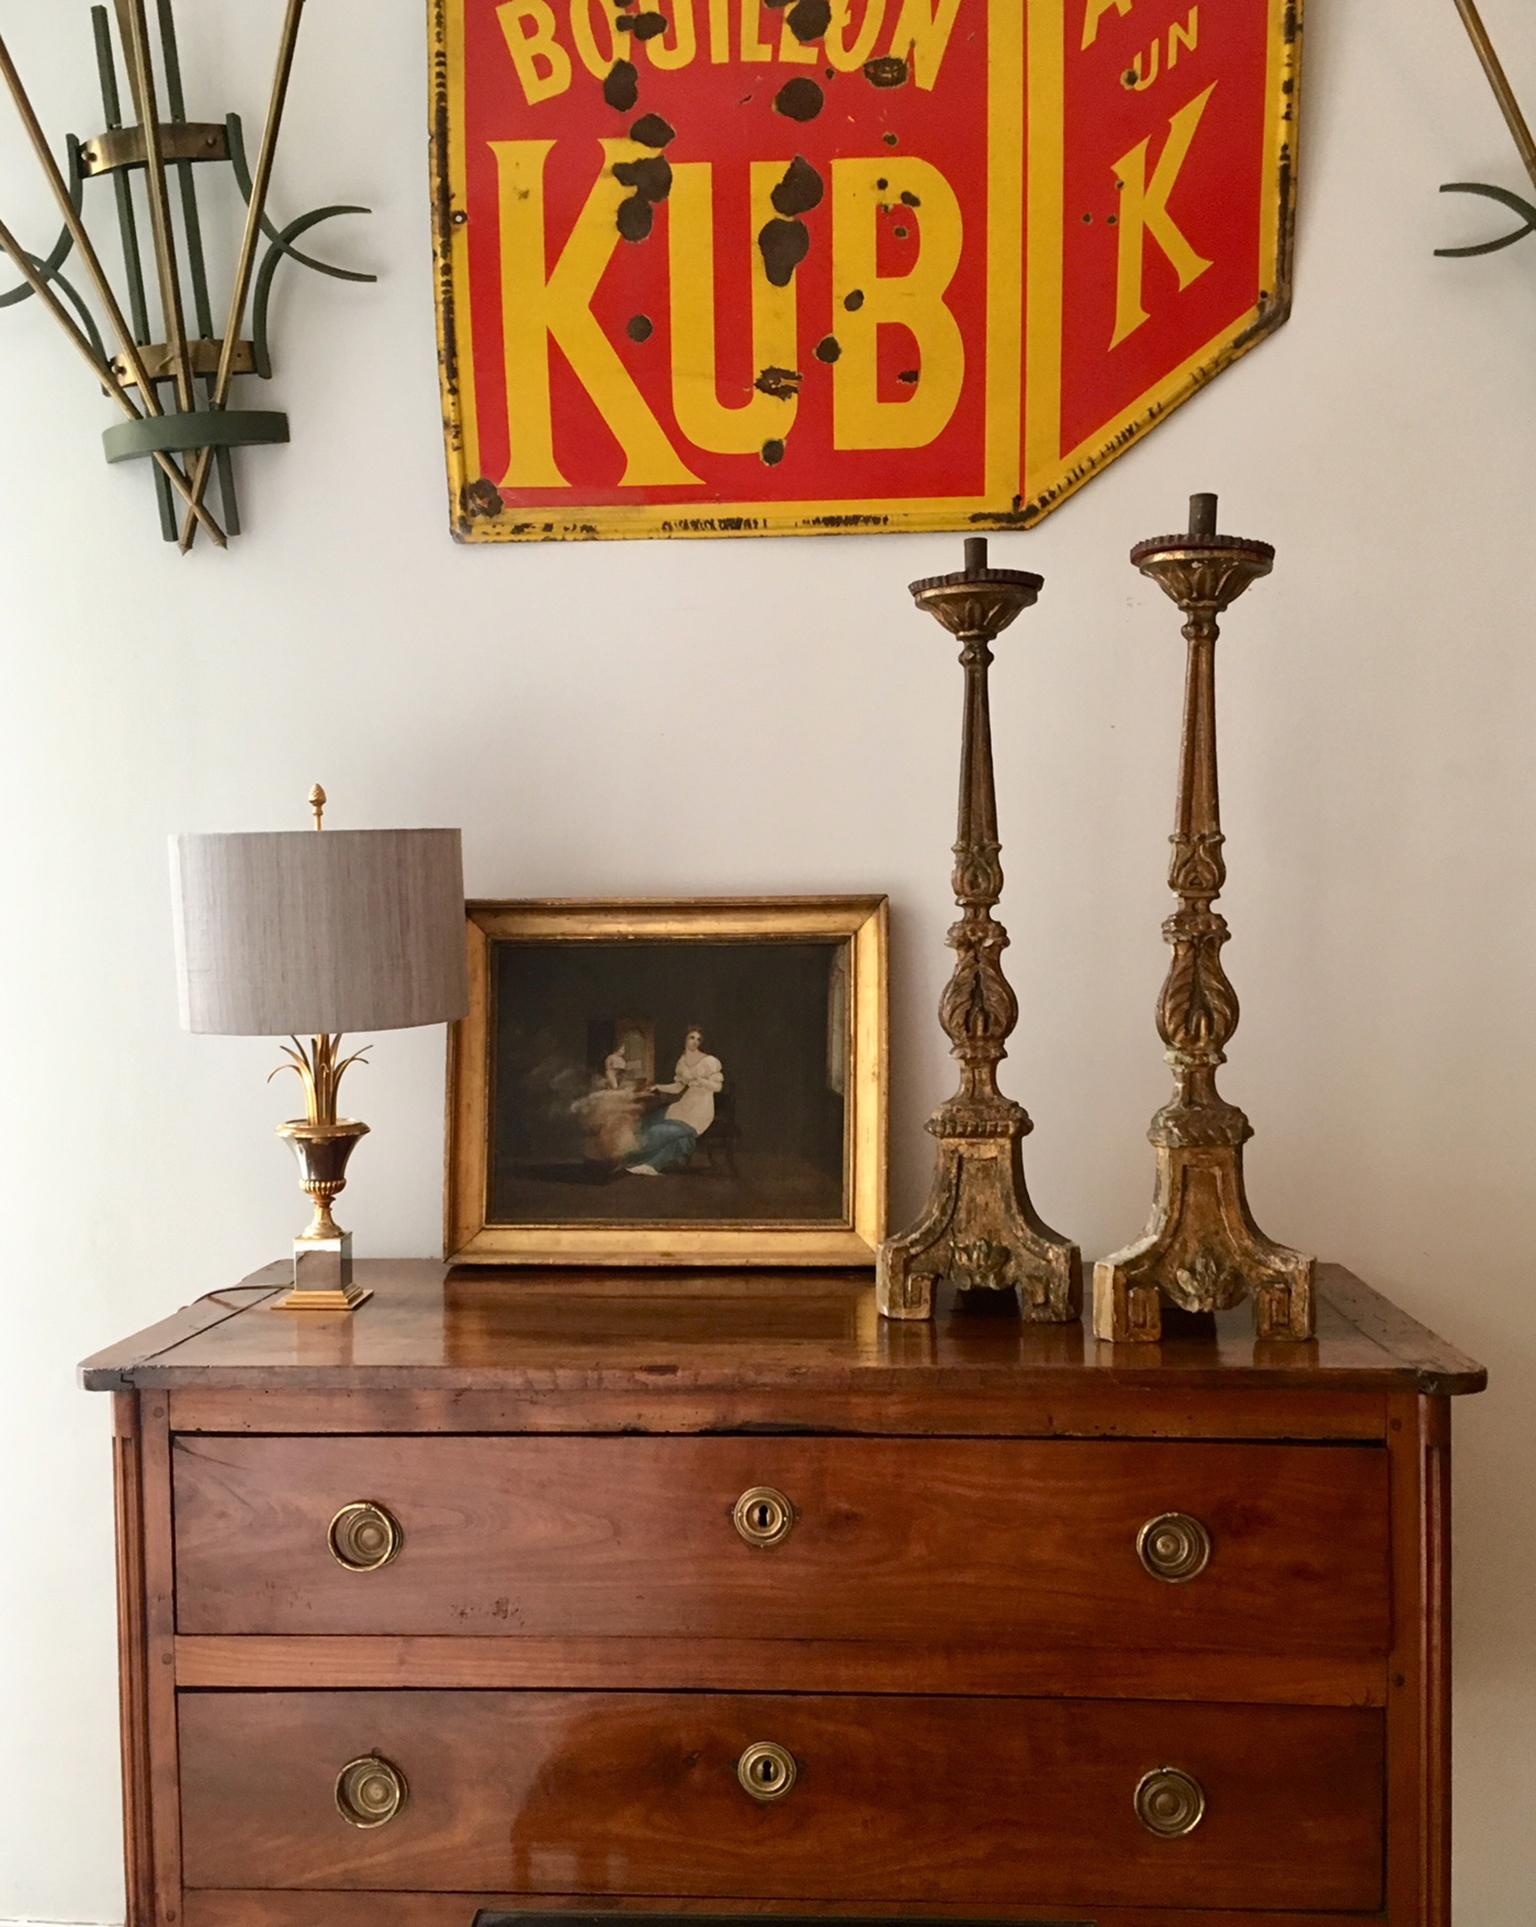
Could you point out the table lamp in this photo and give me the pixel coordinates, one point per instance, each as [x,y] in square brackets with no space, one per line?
[294,934]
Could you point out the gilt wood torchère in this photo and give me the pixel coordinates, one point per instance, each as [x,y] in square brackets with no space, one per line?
[980,1230]
[672,1594]
[1202,1251]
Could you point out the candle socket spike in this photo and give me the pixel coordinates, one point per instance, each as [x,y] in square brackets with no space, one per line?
[980,1231]
[1202,571]
[1202,1251]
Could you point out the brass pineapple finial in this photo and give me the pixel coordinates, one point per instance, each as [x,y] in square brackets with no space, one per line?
[317,802]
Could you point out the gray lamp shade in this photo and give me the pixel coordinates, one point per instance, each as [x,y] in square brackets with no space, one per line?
[304,933]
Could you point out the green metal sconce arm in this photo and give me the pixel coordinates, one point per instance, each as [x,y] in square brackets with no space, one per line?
[1514,202]
[1519,127]
[240,163]
[48,265]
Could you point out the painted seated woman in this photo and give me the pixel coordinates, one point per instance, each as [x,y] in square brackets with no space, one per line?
[667,1139]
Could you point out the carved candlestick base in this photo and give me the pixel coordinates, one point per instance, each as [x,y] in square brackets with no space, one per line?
[980,1232]
[1202,1251]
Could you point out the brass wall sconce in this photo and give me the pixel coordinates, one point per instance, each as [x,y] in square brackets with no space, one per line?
[1519,127]
[199,367]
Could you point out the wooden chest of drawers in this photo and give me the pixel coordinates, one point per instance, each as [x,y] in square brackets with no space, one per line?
[715,1596]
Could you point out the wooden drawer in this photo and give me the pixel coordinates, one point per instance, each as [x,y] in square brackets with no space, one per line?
[1004,1803]
[893,1540]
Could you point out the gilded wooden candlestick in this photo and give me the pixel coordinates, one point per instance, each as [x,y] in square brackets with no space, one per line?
[1202,1251]
[980,1231]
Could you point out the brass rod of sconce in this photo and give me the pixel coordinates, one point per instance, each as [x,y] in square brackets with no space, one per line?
[128,227]
[1503,92]
[76,227]
[106,375]
[249,242]
[192,227]
[142,72]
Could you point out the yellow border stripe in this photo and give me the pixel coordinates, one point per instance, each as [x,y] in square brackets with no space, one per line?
[1005,224]
[458,174]
[1044,268]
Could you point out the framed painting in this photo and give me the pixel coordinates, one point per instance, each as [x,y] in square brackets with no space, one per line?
[670,1083]
[769,267]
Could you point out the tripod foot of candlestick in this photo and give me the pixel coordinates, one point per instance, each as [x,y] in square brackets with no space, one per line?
[1202,1253]
[981,1233]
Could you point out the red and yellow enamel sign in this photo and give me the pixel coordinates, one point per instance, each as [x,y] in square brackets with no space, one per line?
[765,267]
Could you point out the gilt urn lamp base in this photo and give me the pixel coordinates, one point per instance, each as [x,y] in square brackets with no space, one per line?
[322,1254]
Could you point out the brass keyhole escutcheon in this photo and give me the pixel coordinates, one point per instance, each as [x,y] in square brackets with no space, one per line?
[370,1792]
[763,1516]
[364,1536]
[1170,1803]
[1174,1548]
[767,1771]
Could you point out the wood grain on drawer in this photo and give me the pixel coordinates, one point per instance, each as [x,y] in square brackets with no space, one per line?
[893,1540]
[269,1907]
[991,1803]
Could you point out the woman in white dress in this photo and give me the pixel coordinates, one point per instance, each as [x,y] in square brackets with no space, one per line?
[667,1140]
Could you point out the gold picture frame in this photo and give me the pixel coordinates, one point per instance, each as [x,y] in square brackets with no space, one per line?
[522,1082]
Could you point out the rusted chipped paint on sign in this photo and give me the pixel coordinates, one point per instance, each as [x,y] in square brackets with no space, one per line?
[761,267]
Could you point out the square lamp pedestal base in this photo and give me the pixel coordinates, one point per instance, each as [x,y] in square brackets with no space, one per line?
[322,1276]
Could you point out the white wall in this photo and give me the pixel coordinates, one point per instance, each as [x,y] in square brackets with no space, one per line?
[1379,701]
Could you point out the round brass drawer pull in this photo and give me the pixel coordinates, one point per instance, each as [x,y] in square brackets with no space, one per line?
[763,1516]
[370,1792]
[767,1771]
[1174,1548]
[364,1536]
[1170,1803]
